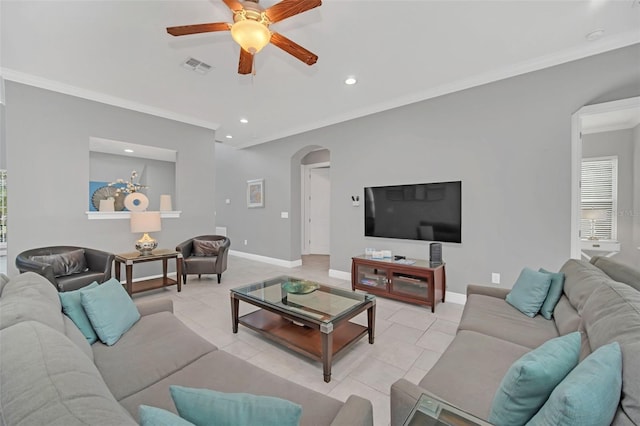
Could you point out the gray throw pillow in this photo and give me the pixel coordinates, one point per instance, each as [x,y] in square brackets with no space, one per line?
[206,247]
[71,262]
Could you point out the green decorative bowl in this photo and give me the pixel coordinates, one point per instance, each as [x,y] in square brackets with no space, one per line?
[300,287]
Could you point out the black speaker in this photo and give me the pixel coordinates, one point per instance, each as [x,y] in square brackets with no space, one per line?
[435,253]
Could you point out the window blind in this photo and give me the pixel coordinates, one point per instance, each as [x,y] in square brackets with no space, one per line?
[599,191]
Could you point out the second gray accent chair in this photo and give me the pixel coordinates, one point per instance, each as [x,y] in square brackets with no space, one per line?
[205,254]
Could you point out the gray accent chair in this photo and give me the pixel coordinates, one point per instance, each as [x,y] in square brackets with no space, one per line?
[193,263]
[98,266]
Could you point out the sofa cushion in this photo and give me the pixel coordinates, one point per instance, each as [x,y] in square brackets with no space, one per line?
[612,314]
[3,280]
[494,317]
[74,334]
[565,316]
[63,264]
[531,379]
[110,310]
[554,293]
[72,307]
[207,248]
[199,406]
[580,279]
[46,379]
[226,373]
[471,369]
[154,416]
[589,395]
[126,366]
[30,296]
[529,291]
[618,271]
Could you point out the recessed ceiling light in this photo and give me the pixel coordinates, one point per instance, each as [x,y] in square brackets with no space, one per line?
[128,150]
[244,120]
[350,81]
[229,137]
[595,34]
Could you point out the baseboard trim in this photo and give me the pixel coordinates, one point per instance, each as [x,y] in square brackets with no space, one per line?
[334,273]
[265,259]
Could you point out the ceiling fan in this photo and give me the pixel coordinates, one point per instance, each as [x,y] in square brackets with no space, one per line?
[250,29]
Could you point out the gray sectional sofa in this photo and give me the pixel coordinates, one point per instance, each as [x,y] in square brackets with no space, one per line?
[49,373]
[601,299]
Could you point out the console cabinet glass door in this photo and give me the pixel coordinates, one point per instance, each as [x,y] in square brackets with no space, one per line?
[372,277]
[410,285]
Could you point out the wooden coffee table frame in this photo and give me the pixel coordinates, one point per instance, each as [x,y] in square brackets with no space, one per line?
[318,340]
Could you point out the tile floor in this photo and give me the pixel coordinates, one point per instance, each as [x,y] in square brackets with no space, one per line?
[409,338]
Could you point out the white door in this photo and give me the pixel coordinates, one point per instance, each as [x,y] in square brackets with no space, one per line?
[319,190]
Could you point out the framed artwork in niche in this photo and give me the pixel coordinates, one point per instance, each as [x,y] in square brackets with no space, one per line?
[255,193]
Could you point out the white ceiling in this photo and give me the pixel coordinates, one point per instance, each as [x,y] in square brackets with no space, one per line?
[118,52]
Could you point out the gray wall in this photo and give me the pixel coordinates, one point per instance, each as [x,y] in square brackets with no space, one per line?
[636,185]
[319,156]
[619,143]
[159,176]
[47,138]
[509,142]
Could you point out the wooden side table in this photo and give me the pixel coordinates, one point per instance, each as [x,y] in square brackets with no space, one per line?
[129,259]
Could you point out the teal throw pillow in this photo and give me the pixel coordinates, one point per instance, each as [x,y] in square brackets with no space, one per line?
[110,310]
[199,406]
[72,307]
[529,291]
[531,379]
[589,395]
[153,416]
[554,294]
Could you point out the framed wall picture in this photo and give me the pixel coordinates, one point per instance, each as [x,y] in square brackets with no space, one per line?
[255,193]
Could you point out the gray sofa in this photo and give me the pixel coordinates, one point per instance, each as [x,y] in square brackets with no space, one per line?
[51,375]
[600,299]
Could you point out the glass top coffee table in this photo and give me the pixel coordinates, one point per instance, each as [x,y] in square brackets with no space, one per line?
[431,411]
[307,317]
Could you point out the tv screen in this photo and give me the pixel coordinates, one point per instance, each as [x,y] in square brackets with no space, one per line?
[425,211]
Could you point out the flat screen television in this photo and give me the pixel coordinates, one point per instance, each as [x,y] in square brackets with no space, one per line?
[424,211]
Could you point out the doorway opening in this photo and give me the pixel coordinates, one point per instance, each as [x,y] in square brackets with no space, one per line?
[316,207]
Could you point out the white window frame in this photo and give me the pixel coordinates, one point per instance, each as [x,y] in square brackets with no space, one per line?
[597,202]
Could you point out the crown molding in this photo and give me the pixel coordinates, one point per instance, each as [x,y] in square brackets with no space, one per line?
[56,86]
[568,55]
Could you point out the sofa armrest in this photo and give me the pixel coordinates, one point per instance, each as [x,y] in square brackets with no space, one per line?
[154,306]
[356,411]
[500,293]
[404,396]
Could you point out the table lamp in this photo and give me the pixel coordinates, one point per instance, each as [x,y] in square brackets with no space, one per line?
[594,215]
[145,222]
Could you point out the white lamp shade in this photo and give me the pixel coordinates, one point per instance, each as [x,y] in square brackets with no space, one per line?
[594,214]
[165,203]
[145,222]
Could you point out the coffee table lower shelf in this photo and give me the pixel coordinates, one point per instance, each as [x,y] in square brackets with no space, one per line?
[302,339]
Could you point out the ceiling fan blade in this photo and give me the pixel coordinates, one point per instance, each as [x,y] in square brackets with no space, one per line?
[233,5]
[246,62]
[198,28]
[288,8]
[294,49]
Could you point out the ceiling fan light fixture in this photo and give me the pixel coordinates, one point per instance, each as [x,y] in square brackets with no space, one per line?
[251,35]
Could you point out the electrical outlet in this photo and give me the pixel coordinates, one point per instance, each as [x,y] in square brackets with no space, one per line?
[495,278]
[245,242]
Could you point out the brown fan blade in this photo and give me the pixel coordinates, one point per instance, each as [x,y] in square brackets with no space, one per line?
[246,62]
[199,28]
[233,5]
[294,49]
[288,8]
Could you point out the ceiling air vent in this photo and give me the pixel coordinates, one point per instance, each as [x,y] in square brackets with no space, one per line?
[197,66]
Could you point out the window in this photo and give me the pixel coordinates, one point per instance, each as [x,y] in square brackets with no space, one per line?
[599,192]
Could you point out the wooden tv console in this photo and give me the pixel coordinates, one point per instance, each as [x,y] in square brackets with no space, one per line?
[421,282]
